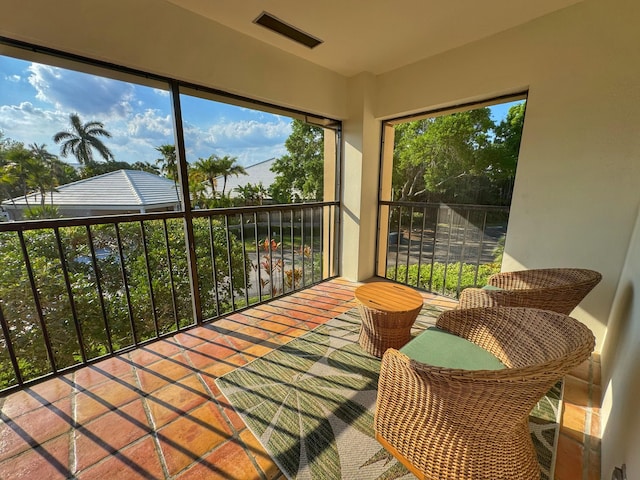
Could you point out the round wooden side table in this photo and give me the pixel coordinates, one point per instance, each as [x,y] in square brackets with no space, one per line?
[388,311]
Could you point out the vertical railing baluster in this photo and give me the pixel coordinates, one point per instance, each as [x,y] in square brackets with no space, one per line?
[293,252]
[388,252]
[329,262]
[435,245]
[96,272]
[125,282]
[214,268]
[398,241]
[313,226]
[72,303]
[154,314]
[258,274]
[424,218]
[38,305]
[272,286]
[406,277]
[463,251]
[229,259]
[244,261]
[282,251]
[480,247]
[6,332]
[302,247]
[446,263]
[174,301]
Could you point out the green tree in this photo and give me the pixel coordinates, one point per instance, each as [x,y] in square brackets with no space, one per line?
[461,157]
[251,194]
[63,172]
[82,139]
[60,172]
[506,150]
[208,170]
[228,167]
[24,171]
[39,177]
[300,173]
[167,280]
[168,162]
[93,169]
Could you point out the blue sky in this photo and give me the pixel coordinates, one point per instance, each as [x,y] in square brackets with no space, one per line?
[36,101]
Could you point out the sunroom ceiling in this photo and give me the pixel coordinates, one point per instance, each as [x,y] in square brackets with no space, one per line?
[375,36]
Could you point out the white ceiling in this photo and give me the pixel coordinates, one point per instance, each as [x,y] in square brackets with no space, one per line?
[375,36]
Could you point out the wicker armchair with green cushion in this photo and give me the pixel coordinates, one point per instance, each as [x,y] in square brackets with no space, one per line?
[556,289]
[464,414]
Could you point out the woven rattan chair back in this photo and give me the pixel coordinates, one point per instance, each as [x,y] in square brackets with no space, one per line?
[556,289]
[473,424]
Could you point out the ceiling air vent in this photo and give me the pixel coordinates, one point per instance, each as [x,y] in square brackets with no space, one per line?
[276,25]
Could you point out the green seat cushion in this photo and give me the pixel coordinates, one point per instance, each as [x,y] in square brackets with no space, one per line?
[491,287]
[443,349]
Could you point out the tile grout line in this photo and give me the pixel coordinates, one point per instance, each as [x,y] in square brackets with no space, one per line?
[235,437]
[147,411]
[73,454]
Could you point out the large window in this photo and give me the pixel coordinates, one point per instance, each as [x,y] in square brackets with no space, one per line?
[63,121]
[446,190]
[99,251]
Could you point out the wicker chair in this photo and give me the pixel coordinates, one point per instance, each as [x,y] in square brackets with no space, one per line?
[556,289]
[469,424]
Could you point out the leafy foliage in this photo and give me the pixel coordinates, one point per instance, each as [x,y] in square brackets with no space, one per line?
[159,296]
[82,138]
[462,157]
[444,277]
[299,175]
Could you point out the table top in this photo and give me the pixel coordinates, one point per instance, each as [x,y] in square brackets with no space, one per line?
[388,297]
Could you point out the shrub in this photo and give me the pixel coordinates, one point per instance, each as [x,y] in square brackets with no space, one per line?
[448,281]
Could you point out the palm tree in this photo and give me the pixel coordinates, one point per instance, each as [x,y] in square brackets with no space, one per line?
[227,167]
[168,163]
[208,169]
[38,176]
[82,139]
[47,159]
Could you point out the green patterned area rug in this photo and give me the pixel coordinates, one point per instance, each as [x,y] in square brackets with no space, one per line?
[311,405]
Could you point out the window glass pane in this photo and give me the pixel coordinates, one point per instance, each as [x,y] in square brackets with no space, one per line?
[244,156]
[447,183]
[80,144]
[465,157]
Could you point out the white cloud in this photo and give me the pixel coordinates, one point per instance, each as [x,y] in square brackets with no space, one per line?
[247,140]
[85,94]
[13,78]
[162,93]
[28,123]
[149,123]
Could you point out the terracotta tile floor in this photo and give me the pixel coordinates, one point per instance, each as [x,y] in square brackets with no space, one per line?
[156,413]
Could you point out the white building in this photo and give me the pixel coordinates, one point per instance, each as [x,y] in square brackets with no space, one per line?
[256,173]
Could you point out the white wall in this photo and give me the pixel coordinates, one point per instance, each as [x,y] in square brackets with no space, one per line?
[578,181]
[578,178]
[360,180]
[621,370]
[159,37]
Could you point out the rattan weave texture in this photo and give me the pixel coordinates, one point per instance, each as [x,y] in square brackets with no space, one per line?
[381,330]
[556,289]
[459,424]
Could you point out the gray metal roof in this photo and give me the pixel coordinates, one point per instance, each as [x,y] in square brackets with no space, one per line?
[121,189]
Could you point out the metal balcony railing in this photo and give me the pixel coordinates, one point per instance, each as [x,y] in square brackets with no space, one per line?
[73,291]
[441,248]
